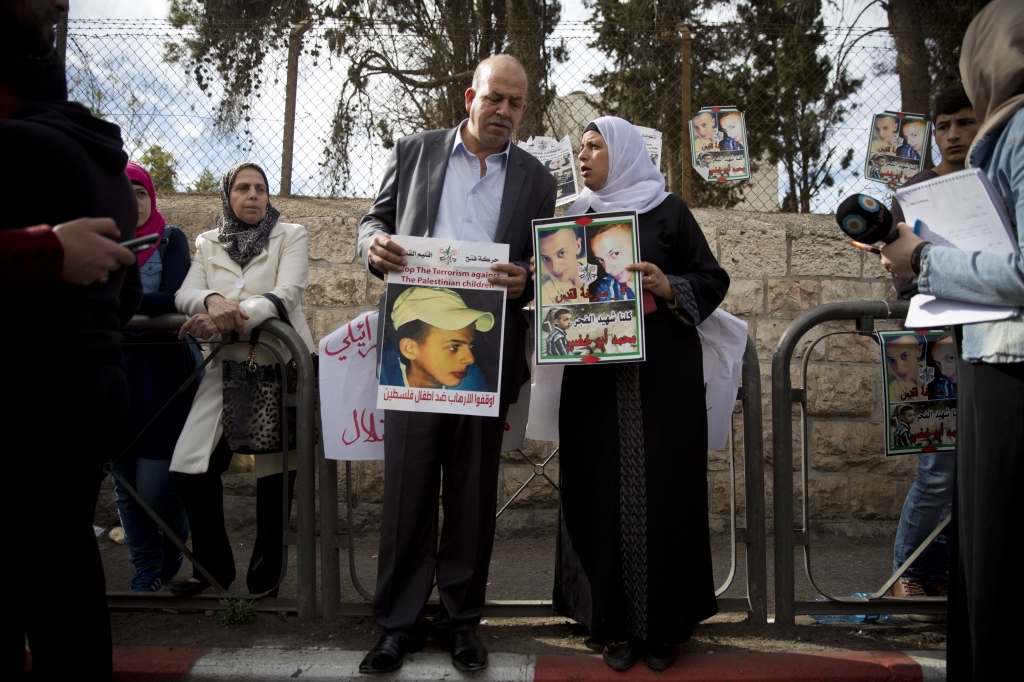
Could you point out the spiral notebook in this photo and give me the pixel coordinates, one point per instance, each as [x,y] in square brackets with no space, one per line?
[964,211]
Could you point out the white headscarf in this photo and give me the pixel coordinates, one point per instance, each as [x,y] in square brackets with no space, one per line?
[633,184]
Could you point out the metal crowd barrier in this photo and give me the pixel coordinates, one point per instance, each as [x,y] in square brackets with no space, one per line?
[787,535]
[751,535]
[304,538]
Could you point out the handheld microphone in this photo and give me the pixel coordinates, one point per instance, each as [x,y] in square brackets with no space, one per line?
[866,220]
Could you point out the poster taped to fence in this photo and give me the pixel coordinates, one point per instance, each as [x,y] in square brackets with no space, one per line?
[652,139]
[588,303]
[353,425]
[919,371]
[896,147]
[557,157]
[718,144]
[443,329]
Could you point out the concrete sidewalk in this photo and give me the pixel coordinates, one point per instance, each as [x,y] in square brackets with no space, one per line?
[159,664]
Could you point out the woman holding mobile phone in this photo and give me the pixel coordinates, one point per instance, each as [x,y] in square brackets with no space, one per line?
[155,365]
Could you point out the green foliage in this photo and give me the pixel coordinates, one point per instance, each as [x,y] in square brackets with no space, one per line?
[644,84]
[162,168]
[424,53]
[206,182]
[237,612]
[793,95]
[768,65]
[230,44]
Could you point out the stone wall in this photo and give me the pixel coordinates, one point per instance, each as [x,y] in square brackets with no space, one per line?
[780,264]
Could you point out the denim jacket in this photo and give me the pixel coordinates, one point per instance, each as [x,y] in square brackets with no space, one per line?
[980,276]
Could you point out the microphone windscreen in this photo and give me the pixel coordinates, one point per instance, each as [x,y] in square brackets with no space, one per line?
[865,219]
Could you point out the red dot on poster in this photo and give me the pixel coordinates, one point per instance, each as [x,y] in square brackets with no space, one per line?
[929,448]
[584,221]
[716,110]
[900,115]
[720,178]
[589,359]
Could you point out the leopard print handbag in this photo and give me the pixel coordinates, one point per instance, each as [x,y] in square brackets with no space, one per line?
[252,404]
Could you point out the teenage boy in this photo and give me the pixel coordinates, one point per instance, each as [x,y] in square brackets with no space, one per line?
[434,349]
[931,496]
[556,341]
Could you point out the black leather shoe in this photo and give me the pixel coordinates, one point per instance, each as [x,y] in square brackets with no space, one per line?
[620,656]
[468,653]
[389,653]
[659,656]
[187,588]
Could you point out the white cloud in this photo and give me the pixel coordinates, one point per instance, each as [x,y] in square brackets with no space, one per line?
[118,9]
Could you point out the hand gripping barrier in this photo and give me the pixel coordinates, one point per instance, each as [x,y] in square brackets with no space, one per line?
[787,535]
[752,535]
[303,400]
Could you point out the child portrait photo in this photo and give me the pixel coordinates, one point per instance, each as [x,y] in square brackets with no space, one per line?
[588,298]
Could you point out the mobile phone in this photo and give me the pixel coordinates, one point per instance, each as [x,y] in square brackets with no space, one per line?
[140,243]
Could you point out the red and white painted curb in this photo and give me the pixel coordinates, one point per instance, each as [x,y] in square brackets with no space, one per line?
[265,664]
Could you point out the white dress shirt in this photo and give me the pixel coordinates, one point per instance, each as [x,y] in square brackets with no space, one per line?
[470,204]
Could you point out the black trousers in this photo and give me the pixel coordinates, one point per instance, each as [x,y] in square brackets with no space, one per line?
[203,497]
[420,450]
[58,430]
[986,541]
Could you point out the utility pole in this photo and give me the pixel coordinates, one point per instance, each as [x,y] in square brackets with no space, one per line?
[61,47]
[687,114]
[288,141]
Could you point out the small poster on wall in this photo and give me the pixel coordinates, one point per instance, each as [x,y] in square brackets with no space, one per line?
[718,144]
[588,303]
[896,147]
[557,157]
[443,329]
[652,138]
[919,374]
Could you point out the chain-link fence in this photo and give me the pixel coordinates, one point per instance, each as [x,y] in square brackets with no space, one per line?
[808,94]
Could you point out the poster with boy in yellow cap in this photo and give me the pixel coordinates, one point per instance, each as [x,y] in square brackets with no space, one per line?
[442,340]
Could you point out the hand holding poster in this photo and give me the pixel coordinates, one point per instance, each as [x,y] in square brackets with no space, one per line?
[557,157]
[896,147]
[443,329]
[588,302]
[718,146]
[919,372]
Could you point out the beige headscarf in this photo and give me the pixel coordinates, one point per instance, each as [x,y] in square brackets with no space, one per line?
[992,63]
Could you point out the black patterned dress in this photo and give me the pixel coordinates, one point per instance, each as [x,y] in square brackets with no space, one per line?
[633,554]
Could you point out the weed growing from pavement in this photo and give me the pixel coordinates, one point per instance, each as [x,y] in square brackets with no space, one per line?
[237,612]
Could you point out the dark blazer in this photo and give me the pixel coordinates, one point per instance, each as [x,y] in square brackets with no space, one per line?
[408,202]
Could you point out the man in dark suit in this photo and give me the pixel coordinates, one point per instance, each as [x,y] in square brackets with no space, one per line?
[472,184]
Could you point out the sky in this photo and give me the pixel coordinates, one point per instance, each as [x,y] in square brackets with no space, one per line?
[182,124]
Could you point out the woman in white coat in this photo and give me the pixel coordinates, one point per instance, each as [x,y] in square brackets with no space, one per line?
[248,255]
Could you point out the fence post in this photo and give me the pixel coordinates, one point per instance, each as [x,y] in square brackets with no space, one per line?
[687,174]
[288,141]
[61,46]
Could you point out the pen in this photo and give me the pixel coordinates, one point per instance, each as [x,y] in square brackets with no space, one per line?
[865,247]
[917,226]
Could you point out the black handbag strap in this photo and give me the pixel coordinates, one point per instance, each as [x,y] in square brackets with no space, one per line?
[282,312]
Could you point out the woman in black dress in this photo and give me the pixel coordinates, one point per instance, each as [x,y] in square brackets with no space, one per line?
[633,559]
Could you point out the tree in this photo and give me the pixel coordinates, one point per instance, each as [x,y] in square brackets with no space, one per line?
[206,182]
[162,168]
[409,62]
[795,94]
[641,39]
